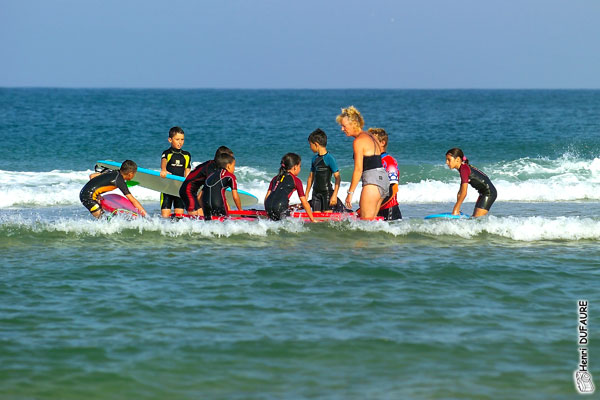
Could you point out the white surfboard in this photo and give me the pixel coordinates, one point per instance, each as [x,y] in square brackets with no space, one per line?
[151,179]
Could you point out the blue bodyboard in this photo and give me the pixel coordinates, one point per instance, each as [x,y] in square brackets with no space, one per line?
[447,216]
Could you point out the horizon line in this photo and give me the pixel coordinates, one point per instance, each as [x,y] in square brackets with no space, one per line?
[287,88]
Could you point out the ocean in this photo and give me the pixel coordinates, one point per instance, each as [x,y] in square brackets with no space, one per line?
[415,309]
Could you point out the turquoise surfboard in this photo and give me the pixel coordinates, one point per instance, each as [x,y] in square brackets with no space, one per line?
[151,179]
[447,216]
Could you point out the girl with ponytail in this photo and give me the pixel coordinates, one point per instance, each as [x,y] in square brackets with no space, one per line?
[469,175]
[283,185]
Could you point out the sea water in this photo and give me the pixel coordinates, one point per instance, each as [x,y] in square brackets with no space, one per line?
[414,309]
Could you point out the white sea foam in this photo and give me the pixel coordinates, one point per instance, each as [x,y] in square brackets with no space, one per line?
[522,180]
[518,229]
[526,229]
[566,188]
[119,225]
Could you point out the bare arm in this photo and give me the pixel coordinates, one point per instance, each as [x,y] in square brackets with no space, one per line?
[336,189]
[268,193]
[307,208]
[163,168]
[460,197]
[358,170]
[187,172]
[309,183]
[93,175]
[136,204]
[236,199]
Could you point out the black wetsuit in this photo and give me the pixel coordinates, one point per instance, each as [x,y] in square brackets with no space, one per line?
[322,168]
[193,182]
[213,193]
[281,188]
[177,162]
[105,182]
[480,181]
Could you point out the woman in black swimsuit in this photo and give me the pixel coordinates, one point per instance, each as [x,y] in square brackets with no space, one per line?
[367,164]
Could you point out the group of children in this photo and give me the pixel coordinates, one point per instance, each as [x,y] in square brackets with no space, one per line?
[202,194]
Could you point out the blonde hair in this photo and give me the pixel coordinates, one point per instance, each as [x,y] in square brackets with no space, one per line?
[353,116]
[380,134]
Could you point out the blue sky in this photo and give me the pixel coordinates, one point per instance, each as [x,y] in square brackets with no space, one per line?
[300,44]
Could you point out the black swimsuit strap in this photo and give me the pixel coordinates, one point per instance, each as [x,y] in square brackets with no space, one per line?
[375,145]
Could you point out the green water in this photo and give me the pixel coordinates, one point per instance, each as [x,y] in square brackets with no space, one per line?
[150,309]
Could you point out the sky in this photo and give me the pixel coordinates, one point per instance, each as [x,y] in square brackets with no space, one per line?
[383,44]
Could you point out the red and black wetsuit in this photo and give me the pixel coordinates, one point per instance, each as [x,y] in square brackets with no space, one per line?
[213,193]
[193,182]
[390,210]
[105,182]
[281,189]
[480,181]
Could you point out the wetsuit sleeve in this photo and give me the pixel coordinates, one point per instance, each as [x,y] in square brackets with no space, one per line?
[391,166]
[299,188]
[331,163]
[165,154]
[122,185]
[272,184]
[233,180]
[464,171]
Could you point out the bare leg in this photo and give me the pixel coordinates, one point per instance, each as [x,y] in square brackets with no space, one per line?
[370,200]
[197,213]
[98,213]
[479,212]
[165,213]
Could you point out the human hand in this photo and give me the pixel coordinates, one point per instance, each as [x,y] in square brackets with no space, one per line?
[348,201]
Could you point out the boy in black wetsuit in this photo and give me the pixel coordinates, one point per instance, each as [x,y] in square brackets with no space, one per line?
[105,181]
[213,191]
[177,162]
[323,166]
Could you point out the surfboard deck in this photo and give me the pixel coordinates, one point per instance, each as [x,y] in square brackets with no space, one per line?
[117,204]
[447,216]
[151,179]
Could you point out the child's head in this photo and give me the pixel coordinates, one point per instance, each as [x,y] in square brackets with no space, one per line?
[128,169]
[290,163]
[350,120]
[317,137]
[455,157]
[176,137]
[226,161]
[381,135]
[223,150]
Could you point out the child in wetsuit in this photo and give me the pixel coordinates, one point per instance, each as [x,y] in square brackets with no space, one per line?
[323,166]
[389,209]
[282,186]
[213,191]
[469,175]
[105,181]
[195,180]
[177,162]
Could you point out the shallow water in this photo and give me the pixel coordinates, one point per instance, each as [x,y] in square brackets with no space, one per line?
[436,309]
